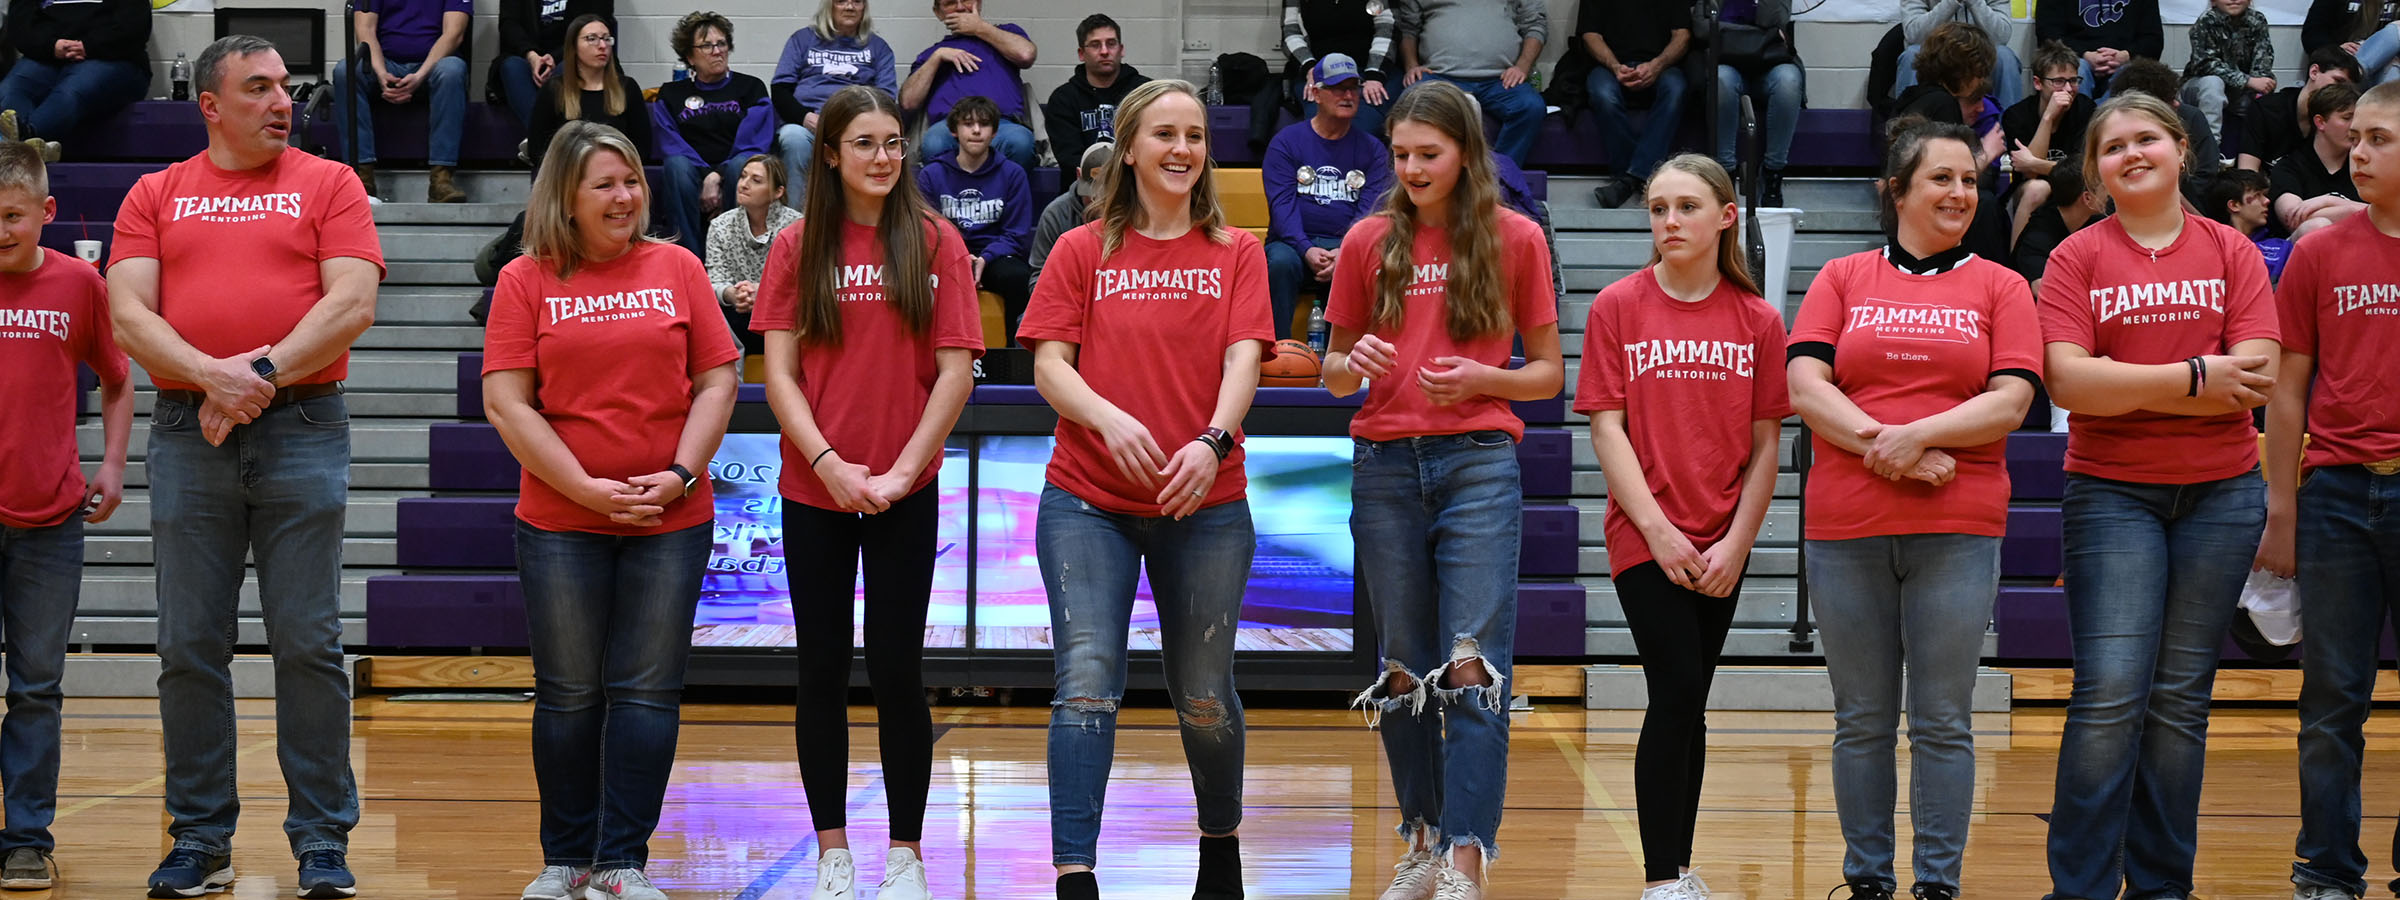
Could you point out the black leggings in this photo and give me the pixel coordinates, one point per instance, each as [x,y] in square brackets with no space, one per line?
[821,551]
[1680,634]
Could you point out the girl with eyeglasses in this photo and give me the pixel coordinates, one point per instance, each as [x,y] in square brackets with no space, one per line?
[594,90]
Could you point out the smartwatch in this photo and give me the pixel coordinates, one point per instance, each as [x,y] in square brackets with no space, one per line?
[690,481]
[1218,441]
[264,367]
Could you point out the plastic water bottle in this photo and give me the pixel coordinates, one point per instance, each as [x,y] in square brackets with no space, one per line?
[682,72]
[1316,330]
[181,77]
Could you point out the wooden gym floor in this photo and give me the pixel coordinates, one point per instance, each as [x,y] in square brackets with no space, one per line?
[450,805]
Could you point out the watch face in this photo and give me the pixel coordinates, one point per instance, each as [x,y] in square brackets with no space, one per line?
[263,366]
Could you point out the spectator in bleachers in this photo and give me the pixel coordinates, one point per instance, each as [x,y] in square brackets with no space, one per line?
[1359,29]
[2106,34]
[531,35]
[1918,18]
[1774,78]
[2312,187]
[595,89]
[411,54]
[2233,58]
[1636,47]
[2277,123]
[1953,86]
[1321,176]
[989,198]
[1083,111]
[2154,78]
[2042,129]
[2367,30]
[2241,199]
[2067,206]
[836,51]
[1487,48]
[976,59]
[77,62]
[1067,210]
[707,125]
[738,239]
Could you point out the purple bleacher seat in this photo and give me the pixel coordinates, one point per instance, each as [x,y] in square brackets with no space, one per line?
[1546,462]
[491,136]
[1548,545]
[448,610]
[62,235]
[2035,465]
[458,532]
[93,191]
[470,385]
[163,130]
[1550,619]
[468,456]
[2032,623]
[2035,546]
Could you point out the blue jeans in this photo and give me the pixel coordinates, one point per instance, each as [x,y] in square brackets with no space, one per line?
[679,192]
[1287,272]
[517,87]
[41,575]
[1437,522]
[2379,54]
[2008,76]
[1010,140]
[445,89]
[1520,111]
[610,622]
[1090,559]
[2348,541]
[1370,116]
[57,99]
[1782,92]
[1919,604]
[2153,573]
[1635,158]
[276,489]
[796,145]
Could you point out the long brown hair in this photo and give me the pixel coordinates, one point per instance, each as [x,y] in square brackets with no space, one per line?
[1477,303]
[904,231]
[1731,265]
[1118,205]
[550,234]
[567,86]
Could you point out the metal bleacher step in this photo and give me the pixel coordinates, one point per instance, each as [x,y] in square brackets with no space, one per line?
[142,631]
[483,187]
[1575,192]
[136,675]
[497,215]
[447,338]
[135,550]
[132,590]
[436,242]
[409,270]
[437,305]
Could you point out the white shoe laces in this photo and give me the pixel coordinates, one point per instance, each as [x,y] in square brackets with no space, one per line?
[902,865]
[1412,877]
[1452,884]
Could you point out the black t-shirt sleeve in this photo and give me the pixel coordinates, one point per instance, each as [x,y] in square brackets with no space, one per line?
[2044,230]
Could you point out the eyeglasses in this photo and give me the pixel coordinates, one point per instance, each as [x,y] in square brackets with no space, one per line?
[869,148]
[2069,81]
[1104,44]
[713,46]
[600,40]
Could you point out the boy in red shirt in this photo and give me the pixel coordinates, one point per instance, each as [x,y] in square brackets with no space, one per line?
[53,315]
[2340,311]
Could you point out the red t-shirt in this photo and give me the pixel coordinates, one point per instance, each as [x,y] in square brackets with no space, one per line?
[868,392]
[1151,322]
[2115,298]
[50,319]
[613,351]
[1691,378]
[1906,347]
[1399,408]
[238,251]
[2347,279]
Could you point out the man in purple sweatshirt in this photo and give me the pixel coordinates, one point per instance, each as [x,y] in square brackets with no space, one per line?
[1321,176]
[988,197]
[977,59]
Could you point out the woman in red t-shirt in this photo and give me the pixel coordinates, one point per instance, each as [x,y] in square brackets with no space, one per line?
[1427,295]
[1147,326]
[1910,365]
[1686,394]
[2162,336]
[611,376]
[872,330]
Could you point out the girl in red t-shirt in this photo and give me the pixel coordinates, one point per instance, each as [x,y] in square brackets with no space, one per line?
[872,329]
[2162,336]
[1147,326]
[1910,365]
[610,374]
[1685,388]
[1426,297]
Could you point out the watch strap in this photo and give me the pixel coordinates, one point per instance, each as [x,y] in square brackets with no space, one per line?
[689,480]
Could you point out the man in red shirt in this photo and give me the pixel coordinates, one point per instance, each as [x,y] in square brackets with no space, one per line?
[53,315]
[241,277]
[2340,310]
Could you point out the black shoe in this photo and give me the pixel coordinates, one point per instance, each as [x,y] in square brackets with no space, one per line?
[27,869]
[1613,192]
[1862,890]
[190,873]
[1771,190]
[325,875]
[1934,892]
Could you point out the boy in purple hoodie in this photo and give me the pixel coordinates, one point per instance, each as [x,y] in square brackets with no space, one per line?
[988,197]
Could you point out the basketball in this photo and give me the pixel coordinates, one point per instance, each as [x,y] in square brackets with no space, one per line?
[1289,364]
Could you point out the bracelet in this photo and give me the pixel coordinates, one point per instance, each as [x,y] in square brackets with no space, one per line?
[812,464]
[2193,385]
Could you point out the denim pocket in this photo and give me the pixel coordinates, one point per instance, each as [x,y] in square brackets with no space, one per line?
[1490,439]
[328,411]
[170,416]
[1362,451]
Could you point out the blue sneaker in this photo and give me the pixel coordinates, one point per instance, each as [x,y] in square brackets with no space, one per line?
[190,873]
[325,875]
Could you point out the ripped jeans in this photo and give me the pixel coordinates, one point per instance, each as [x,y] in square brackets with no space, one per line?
[1090,561]
[1437,520]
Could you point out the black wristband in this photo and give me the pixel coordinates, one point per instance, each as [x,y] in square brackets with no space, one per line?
[2199,375]
[812,464]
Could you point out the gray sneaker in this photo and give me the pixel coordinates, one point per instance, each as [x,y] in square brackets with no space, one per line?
[27,869]
[622,884]
[2299,891]
[558,883]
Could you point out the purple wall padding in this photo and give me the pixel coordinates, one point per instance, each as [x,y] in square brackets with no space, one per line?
[445,611]
[2035,459]
[458,532]
[468,456]
[1548,546]
[1550,620]
[1546,459]
[2034,547]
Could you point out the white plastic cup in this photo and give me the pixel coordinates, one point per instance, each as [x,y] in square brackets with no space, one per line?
[1775,227]
[88,251]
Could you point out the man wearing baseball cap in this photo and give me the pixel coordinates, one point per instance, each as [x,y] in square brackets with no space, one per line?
[1321,175]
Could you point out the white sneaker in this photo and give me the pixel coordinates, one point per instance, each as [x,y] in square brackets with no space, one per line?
[622,884]
[2320,892]
[903,877]
[1452,884]
[1412,879]
[1693,887]
[837,878]
[558,883]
